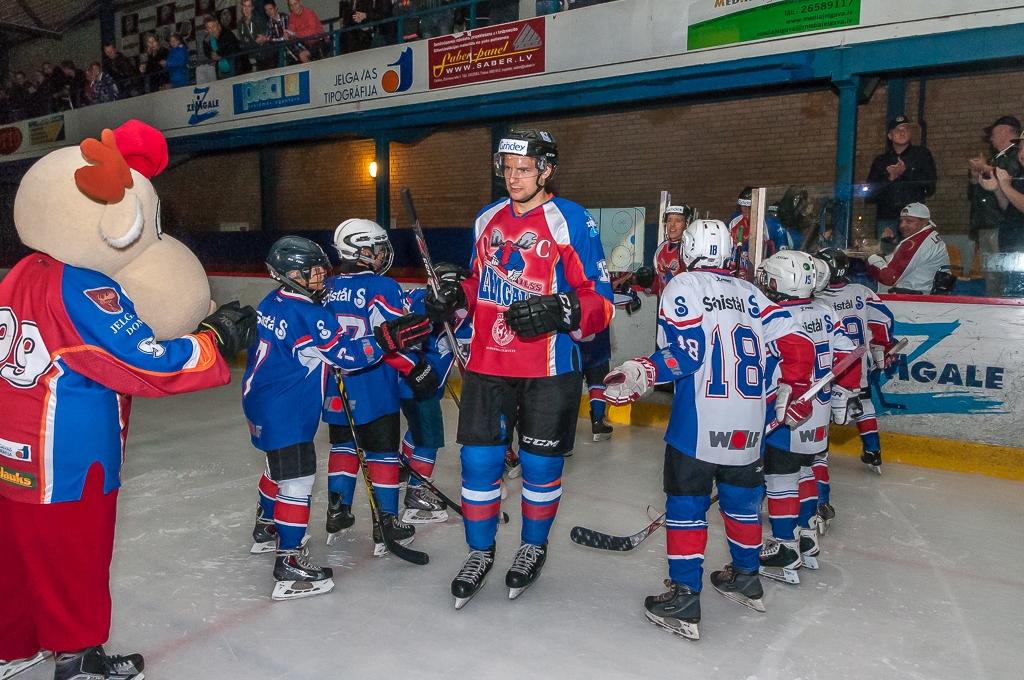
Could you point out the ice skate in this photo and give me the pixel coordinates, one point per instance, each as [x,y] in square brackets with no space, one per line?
[339,516]
[780,561]
[513,468]
[809,548]
[601,430]
[8,669]
[739,586]
[826,513]
[421,507]
[472,576]
[873,459]
[398,531]
[298,576]
[525,569]
[94,664]
[264,535]
[677,610]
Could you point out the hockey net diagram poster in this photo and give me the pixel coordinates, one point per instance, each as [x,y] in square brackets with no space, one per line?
[489,53]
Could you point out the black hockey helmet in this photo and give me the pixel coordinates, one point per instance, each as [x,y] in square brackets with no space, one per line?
[295,253]
[746,197]
[838,263]
[536,144]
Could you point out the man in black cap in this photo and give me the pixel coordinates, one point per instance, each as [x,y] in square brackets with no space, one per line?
[904,174]
[987,216]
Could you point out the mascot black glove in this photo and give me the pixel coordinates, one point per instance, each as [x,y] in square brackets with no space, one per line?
[644,277]
[446,271]
[397,334]
[442,306]
[543,314]
[234,327]
[423,380]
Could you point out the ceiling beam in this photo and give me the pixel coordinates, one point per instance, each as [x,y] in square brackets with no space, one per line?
[30,13]
[31,31]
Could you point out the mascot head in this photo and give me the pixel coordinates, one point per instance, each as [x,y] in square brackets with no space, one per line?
[93,206]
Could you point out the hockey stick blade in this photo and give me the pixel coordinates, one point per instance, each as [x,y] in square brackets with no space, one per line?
[502,519]
[602,541]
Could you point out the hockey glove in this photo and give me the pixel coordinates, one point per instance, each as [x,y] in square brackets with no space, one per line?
[881,358]
[789,410]
[422,380]
[630,381]
[233,326]
[543,314]
[446,271]
[644,277]
[405,331]
[845,405]
[442,306]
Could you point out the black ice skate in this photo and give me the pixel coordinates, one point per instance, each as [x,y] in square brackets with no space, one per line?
[94,664]
[780,561]
[525,569]
[512,466]
[399,532]
[826,513]
[8,669]
[298,576]
[421,507]
[739,586]
[339,516]
[472,575]
[873,459]
[601,429]
[264,534]
[677,610]
[809,548]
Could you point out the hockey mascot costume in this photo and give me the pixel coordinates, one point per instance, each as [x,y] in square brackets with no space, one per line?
[104,309]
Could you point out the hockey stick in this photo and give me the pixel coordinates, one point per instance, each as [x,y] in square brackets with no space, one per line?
[823,382]
[399,551]
[875,380]
[503,519]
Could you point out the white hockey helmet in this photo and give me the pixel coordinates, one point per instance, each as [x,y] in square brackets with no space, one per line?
[787,275]
[822,274]
[706,243]
[353,236]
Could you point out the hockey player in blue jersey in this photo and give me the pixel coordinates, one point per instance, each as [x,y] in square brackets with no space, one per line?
[360,297]
[298,343]
[712,335]
[596,353]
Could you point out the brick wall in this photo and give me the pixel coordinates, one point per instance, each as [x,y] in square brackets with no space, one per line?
[198,193]
[320,184]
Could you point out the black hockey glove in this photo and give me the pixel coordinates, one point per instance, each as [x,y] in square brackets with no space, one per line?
[405,331]
[233,326]
[446,271]
[423,380]
[644,277]
[441,307]
[543,314]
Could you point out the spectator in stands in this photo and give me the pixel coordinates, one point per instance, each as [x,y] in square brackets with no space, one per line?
[279,34]
[919,257]
[439,22]
[220,46]
[77,82]
[153,64]
[121,69]
[40,97]
[1009,192]
[904,174]
[355,13]
[306,26]
[18,96]
[986,212]
[495,12]
[410,28]
[101,87]
[252,36]
[177,61]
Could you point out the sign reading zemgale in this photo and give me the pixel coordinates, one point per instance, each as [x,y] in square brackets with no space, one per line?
[713,23]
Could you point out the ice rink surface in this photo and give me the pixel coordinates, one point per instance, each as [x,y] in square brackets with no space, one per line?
[920,576]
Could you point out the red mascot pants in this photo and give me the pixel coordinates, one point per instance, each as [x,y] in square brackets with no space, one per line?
[55,593]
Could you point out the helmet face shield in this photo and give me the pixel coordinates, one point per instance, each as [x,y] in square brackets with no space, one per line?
[541,164]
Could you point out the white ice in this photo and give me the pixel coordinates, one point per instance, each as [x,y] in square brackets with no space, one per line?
[920,576]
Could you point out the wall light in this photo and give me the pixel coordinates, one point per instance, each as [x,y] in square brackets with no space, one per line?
[373,169]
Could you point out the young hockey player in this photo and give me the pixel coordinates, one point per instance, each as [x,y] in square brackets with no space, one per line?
[667,262]
[539,282]
[788,279]
[360,297]
[298,343]
[712,334]
[596,353]
[867,321]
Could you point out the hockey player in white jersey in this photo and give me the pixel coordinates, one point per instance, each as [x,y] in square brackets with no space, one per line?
[712,335]
[788,278]
[868,321]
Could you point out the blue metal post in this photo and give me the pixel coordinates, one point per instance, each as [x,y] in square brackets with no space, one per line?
[106,16]
[846,147]
[382,155]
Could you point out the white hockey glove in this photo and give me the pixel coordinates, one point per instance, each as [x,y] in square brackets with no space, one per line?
[877,261]
[881,358]
[788,409]
[630,381]
[845,405]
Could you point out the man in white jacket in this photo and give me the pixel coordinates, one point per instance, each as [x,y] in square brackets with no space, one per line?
[911,268]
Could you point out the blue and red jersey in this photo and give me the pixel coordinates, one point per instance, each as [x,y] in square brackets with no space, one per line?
[553,248]
[73,352]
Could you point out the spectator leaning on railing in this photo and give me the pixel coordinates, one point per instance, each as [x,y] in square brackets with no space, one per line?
[153,64]
[306,26]
[121,69]
[101,87]
[355,13]
[177,61]
[279,33]
[221,46]
[252,36]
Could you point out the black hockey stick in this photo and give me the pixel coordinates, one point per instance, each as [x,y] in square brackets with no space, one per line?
[503,519]
[602,541]
[399,551]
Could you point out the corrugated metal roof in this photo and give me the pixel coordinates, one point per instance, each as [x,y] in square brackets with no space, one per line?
[54,15]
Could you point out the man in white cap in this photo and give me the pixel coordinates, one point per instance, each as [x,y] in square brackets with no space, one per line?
[921,253]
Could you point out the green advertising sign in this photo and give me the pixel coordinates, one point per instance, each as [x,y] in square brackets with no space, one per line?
[724,22]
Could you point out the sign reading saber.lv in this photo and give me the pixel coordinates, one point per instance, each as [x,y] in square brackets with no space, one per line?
[714,23]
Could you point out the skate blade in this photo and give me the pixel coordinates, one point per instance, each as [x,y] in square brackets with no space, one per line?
[513,593]
[789,576]
[877,469]
[684,629]
[294,590]
[413,516]
[257,549]
[11,668]
[757,604]
[810,561]
[461,602]
[823,527]
[602,437]
[381,549]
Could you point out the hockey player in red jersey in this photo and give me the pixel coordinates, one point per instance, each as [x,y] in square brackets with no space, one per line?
[539,282]
[74,350]
[667,260]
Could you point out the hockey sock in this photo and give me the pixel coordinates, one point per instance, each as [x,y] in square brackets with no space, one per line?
[820,470]
[421,458]
[783,504]
[481,493]
[868,428]
[808,493]
[542,489]
[342,470]
[739,507]
[597,402]
[686,530]
[383,467]
[268,496]
[291,512]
